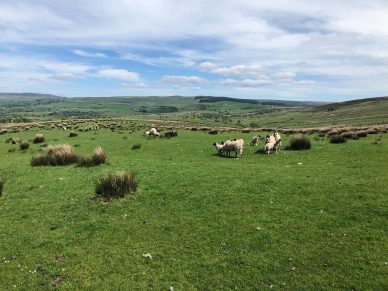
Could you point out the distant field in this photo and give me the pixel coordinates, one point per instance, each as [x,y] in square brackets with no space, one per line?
[212,111]
[312,220]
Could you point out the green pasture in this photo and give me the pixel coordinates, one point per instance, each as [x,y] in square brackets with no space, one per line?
[309,220]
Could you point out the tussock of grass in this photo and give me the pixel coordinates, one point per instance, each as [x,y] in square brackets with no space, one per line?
[213,131]
[39,138]
[57,155]
[73,134]
[362,133]
[99,156]
[337,139]
[136,146]
[170,134]
[24,145]
[15,140]
[299,142]
[116,185]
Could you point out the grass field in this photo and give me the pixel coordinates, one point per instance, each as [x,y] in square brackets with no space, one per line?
[310,220]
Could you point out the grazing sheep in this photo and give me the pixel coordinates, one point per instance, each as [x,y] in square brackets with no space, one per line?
[255,140]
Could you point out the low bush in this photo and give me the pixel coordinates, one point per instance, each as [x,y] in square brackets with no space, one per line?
[213,131]
[73,134]
[116,185]
[24,145]
[347,134]
[299,142]
[337,139]
[169,134]
[362,133]
[194,128]
[39,138]
[58,155]
[136,146]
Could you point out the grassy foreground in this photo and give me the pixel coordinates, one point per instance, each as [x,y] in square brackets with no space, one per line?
[296,220]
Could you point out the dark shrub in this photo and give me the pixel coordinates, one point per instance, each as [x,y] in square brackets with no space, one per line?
[58,155]
[347,134]
[116,185]
[337,139]
[362,133]
[213,131]
[194,128]
[169,134]
[39,138]
[73,134]
[24,145]
[1,186]
[136,146]
[299,142]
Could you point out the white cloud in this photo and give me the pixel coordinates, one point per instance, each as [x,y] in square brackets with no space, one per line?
[121,74]
[184,79]
[237,70]
[89,54]
[250,83]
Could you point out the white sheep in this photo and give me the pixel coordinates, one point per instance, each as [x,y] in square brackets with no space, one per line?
[271,144]
[278,138]
[235,145]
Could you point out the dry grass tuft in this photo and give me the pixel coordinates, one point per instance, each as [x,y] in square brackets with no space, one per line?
[116,185]
[39,138]
[24,145]
[57,155]
[99,156]
[299,142]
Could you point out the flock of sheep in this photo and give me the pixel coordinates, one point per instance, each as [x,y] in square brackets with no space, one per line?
[272,142]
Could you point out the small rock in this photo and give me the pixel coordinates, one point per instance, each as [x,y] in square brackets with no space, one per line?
[147,255]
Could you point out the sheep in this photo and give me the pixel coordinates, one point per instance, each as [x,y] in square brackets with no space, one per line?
[219,148]
[254,140]
[278,138]
[235,145]
[271,144]
[152,132]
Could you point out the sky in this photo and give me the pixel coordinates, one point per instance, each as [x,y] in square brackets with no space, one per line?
[323,50]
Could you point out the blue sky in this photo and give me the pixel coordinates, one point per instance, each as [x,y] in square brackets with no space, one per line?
[298,50]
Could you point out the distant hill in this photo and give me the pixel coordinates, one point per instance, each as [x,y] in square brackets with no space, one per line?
[268,102]
[369,102]
[28,96]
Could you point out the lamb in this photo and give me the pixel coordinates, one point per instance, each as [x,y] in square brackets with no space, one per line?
[255,140]
[271,144]
[219,147]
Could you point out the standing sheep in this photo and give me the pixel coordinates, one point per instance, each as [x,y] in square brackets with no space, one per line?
[255,140]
